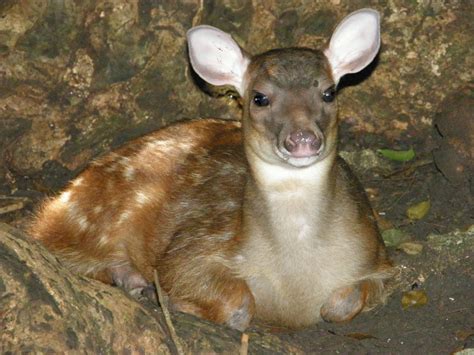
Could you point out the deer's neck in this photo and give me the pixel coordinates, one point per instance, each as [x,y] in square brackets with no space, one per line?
[285,204]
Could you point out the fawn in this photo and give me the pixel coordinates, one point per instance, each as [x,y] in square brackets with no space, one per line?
[258,218]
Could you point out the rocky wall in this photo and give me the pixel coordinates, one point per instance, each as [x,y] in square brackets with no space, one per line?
[78,78]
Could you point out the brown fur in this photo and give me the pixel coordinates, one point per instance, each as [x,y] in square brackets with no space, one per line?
[231,229]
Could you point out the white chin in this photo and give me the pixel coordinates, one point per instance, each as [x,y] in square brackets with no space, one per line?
[302,162]
[295,161]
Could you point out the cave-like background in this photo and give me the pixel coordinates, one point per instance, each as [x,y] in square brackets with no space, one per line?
[79,78]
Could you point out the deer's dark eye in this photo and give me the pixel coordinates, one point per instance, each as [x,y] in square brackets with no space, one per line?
[260,99]
[330,94]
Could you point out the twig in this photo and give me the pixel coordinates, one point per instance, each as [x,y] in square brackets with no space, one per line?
[12,204]
[458,310]
[198,17]
[166,313]
[410,168]
[244,345]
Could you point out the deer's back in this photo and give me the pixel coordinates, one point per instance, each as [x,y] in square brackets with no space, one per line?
[179,188]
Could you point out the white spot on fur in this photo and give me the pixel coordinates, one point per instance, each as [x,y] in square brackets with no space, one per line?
[65,197]
[125,161]
[98,209]
[78,182]
[124,216]
[239,258]
[185,145]
[162,146]
[72,210]
[129,173]
[142,198]
[83,223]
[103,239]
[110,169]
[170,146]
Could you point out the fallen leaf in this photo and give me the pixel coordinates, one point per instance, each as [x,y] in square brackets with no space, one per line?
[464,334]
[9,204]
[411,248]
[419,210]
[414,298]
[394,237]
[397,155]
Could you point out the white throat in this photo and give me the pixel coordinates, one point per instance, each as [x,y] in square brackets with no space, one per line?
[272,176]
[296,199]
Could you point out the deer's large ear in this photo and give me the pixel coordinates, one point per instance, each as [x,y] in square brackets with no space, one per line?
[354,43]
[216,57]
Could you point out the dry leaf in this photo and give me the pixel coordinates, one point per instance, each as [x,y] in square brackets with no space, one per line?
[411,248]
[414,298]
[419,210]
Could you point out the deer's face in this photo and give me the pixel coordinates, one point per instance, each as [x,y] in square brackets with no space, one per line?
[289,107]
[290,114]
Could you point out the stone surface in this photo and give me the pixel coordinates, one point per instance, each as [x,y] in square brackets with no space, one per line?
[454,134]
[44,308]
[79,78]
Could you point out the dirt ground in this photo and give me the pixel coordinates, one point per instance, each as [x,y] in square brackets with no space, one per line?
[443,270]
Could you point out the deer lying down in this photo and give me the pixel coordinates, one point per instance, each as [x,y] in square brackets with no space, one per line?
[259,218]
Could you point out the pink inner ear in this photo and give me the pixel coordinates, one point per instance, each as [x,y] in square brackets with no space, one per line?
[355,43]
[216,57]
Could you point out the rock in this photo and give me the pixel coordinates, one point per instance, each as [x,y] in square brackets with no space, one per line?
[80,78]
[364,160]
[47,309]
[453,241]
[454,125]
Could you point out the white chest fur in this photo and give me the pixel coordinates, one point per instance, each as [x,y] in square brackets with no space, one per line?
[298,256]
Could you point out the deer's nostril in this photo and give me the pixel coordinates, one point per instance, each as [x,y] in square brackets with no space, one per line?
[290,144]
[302,143]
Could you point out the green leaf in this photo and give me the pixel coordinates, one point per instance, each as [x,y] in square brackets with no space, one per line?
[397,155]
[394,237]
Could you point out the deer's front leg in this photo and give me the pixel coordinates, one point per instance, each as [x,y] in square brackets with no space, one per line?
[210,292]
[346,302]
